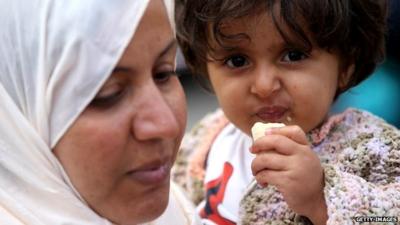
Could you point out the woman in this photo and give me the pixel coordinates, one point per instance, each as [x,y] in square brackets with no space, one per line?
[91,113]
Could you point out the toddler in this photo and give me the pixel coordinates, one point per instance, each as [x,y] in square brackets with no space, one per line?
[286,62]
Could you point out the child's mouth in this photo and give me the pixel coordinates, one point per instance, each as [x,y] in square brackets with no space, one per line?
[272,113]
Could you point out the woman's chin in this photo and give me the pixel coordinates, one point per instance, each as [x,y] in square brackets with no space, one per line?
[157,209]
[150,209]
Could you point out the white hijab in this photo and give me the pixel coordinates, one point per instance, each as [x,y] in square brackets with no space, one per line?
[54,57]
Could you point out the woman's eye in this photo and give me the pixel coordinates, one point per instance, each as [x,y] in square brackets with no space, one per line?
[163,77]
[294,55]
[108,99]
[236,61]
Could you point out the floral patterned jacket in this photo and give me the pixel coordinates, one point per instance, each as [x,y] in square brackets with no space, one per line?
[359,152]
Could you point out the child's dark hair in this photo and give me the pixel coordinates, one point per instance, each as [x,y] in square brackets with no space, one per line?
[355,29]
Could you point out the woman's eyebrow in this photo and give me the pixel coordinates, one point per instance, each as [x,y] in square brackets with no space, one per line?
[126,69]
[171,45]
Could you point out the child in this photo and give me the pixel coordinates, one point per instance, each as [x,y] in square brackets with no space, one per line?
[286,62]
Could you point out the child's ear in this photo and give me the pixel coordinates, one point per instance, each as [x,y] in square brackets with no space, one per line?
[345,77]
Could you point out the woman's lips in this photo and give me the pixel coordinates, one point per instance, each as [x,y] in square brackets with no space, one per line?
[151,175]
[272,113]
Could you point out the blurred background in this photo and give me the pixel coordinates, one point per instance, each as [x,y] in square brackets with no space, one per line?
[379,94]
[200,102]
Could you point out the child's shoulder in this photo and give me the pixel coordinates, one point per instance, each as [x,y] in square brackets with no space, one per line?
[361,117]
[189,166]
[355,134]
[352,124]
[359,123]
[205,131]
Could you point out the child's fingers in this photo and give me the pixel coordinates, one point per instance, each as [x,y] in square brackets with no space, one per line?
[272,177]
[268,160]
[278,143]
[293,132]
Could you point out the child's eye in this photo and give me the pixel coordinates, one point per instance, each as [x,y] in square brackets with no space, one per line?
[163,77]
[236,61]
[294,55]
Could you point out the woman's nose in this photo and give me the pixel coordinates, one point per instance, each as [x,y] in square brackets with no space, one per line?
[266,82]
[155,117]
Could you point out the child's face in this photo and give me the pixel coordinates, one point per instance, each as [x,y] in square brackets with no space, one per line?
[264,79]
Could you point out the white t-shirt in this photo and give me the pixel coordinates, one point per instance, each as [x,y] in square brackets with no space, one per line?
[227,176]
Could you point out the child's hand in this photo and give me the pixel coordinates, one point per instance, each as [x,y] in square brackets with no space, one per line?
[285,160]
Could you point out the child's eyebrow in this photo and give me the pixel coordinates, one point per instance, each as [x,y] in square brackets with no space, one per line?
[248,47]
[229,48]
[220,53]
[222,50]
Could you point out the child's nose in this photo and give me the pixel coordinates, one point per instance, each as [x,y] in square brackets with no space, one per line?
[155,118]
[266,81]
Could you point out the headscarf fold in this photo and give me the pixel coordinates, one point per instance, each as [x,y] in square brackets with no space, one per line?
[54,57]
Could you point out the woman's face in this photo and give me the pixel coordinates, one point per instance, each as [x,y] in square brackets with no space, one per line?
[119,152]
